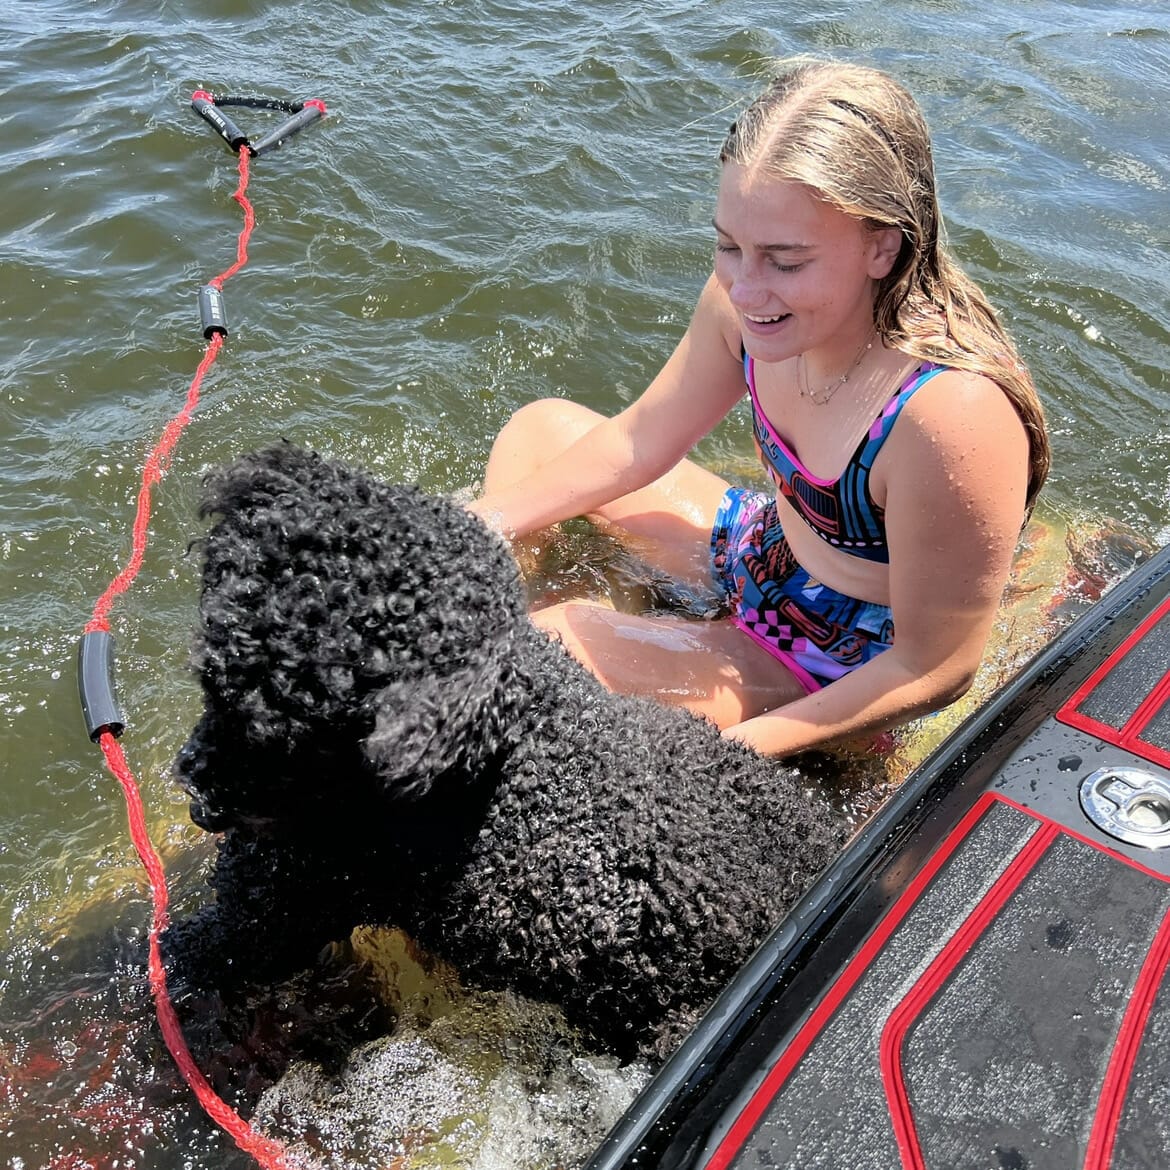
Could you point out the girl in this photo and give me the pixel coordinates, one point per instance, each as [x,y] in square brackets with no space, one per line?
[904,438]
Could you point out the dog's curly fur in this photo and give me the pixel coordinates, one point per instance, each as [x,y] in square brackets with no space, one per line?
[388,739]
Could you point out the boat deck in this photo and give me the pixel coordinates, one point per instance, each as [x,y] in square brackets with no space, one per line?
[980,980]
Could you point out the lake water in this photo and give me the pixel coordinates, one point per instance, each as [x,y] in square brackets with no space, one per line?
[506,201]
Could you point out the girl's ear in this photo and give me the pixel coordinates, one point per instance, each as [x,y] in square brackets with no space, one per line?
[884,244]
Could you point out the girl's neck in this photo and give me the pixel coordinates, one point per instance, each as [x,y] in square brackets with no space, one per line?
[818,389]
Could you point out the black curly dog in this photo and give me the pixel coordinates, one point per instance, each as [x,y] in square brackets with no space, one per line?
[387,739]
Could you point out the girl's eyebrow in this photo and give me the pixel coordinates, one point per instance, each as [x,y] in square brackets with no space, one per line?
[766,247]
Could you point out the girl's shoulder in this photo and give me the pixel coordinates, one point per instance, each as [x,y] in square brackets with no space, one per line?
[946,392]
[955,416]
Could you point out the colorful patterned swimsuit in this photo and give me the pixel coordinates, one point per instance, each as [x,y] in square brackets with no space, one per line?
[818,633]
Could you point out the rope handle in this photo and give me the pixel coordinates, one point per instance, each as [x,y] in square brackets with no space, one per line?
[301,114]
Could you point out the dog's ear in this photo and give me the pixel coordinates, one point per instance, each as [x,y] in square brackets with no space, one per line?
[427,727]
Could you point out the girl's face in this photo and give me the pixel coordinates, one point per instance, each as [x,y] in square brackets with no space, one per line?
[800,274]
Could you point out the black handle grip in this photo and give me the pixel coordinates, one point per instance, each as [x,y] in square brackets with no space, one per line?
[308,114]
[212,313]
[95,681]
[204,105]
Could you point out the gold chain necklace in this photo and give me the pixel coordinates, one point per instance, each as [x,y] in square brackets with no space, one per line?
[832,388]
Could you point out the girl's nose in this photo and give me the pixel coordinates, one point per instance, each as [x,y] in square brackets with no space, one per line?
[747,289]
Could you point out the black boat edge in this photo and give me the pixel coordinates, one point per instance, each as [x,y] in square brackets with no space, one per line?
[654,1131]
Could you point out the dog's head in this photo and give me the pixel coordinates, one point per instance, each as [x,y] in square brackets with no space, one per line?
[340,610]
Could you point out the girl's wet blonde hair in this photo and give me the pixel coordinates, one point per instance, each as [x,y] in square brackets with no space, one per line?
[857,138]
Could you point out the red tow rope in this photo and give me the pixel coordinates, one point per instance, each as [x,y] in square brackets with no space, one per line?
[269,1153]
[159,459]
[104,720]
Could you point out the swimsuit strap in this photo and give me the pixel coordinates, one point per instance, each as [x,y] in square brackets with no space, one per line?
[884,423]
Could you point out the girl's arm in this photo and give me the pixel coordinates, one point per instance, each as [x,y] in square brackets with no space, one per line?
[955,485]
[700,382]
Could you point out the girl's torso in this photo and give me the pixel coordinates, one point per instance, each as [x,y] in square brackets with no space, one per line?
[829,470]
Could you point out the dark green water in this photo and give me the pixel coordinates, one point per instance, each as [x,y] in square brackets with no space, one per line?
[506,201]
